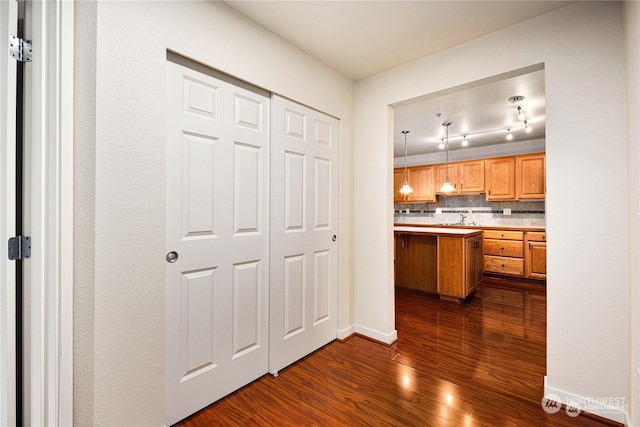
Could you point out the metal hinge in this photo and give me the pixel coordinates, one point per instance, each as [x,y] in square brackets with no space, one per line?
[20,49]
[19,247]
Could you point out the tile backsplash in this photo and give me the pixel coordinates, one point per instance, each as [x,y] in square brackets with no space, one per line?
[475,209]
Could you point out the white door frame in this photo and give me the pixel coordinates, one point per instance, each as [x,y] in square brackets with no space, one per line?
[48,198]
[8,83]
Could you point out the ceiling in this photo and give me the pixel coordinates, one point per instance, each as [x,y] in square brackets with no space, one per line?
[359,38]
[482,113]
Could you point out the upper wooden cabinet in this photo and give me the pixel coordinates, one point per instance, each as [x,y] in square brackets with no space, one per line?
[471,177]
[530,177]
[398,180]
[500,178]
[422,181]
[442,172]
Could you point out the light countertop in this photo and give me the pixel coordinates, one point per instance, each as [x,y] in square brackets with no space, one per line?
[475,227]
[436,230]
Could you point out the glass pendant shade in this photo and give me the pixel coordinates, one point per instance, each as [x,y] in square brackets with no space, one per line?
[406,189]
[447,187]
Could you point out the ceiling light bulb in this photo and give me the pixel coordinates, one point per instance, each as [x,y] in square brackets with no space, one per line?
[464,141]
[521,115]
[527,128]
[441,145]
[509,136]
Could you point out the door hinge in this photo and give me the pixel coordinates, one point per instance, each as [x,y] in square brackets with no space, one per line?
[19,247]
[20,49]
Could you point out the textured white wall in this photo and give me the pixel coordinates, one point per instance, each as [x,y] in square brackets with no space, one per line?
[120,152]
[632,37]
[581,47]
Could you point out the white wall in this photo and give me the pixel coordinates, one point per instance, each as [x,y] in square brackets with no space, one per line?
[120,182]
[581,47]
[632,37]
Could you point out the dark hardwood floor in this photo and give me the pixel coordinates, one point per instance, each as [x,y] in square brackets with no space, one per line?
[476,364]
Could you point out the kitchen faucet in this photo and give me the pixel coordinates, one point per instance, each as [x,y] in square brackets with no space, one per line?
[462,218]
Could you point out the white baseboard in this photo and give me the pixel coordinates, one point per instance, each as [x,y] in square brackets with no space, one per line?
[369,333]
[346,332]
[614,408]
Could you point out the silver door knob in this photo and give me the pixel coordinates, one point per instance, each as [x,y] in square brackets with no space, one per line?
[333,238]
[172,257]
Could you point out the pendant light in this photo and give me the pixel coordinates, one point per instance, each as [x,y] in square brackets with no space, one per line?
[406,189]
[447,187]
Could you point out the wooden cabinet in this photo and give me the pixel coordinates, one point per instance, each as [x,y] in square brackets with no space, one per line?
[422,181]
[535,255]
[473,263]
[500,177]
[466,177]
[449,264]
[503,252]
[398,181]
[444,171]
[471,177]
[530,177]
[459,269]
[416,259]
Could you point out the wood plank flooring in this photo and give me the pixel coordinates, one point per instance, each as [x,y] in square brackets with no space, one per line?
[474,364]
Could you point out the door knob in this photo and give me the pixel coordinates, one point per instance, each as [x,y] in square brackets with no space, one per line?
[172,257]
[333,238]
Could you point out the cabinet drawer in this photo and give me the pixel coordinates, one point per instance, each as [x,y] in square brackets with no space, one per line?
[504,265]
[536,236]
[503,235]
[507,248]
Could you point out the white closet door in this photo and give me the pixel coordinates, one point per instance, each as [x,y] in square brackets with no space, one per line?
[8,24]
[304,222]
[217,223]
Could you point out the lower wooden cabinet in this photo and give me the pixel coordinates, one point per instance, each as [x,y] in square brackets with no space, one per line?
[504,265]
[516,253]
[449,265]
[536,255]
[473,263]
[416,262]
[503,252]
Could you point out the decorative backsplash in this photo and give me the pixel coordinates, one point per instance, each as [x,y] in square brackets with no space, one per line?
[475,209]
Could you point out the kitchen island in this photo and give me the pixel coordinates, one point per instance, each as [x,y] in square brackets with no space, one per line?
[443,261]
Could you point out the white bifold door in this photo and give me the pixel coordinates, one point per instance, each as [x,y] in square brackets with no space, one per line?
[251,251]
[217,239]
[304,220]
